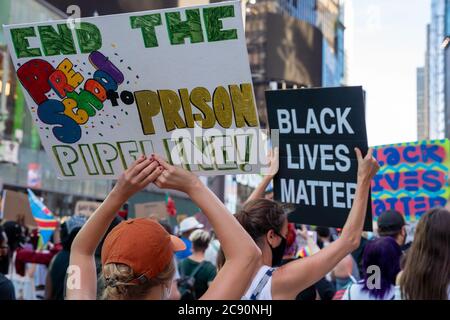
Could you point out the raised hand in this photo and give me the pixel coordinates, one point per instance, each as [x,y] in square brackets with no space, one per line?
[273,157]
[175,178]
[142,172]
[367,166]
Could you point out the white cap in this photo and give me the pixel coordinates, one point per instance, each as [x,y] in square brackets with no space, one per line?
[190,224]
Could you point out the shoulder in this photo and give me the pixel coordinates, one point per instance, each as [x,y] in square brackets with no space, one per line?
[187,263]
[353,292]
[261,284]
[6,288]
[209,267]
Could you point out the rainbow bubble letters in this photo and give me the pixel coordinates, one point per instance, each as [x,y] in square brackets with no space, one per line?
[70,108]
[413,178]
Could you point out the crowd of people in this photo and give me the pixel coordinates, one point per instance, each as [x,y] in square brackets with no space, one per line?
[254,254]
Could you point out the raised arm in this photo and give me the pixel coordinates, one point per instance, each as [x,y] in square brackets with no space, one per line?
[297,275]
[242,254]
[258,193]
[82,275]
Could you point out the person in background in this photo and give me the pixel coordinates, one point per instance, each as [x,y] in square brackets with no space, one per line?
[56,275]
[323,289]
[205,271]
[187,226]
[213,249]
[266,222]
[123,212]
[4,252]
[392,224]
[6,287]
[22,253]
[323,237]
[342,273]
[16,235]
[358,253]
[377,283]
[426,275]
[174,292]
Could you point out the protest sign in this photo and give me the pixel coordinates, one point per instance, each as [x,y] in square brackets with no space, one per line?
[86,208]
[16,207]
[151,209]
[413,178]
[175,82]
[318,131]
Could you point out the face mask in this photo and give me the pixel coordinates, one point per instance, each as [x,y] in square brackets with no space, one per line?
[278,252]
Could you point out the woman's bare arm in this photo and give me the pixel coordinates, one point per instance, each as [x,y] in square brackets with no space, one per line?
[258,193]
[82,275]
[297,275]
[241,252]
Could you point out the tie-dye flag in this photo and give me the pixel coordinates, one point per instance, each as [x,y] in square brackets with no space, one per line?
[44,218]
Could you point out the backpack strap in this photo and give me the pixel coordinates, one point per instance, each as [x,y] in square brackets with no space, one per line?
[262,283]
[349,292]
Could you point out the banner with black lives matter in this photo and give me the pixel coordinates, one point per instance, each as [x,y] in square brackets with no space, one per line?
[413,178]
[318,131]
[106,89]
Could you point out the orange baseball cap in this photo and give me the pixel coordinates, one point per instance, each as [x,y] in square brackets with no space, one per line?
[143,245]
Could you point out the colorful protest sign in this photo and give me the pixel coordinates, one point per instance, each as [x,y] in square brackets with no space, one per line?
[318,131]
[413,178]
[175,82]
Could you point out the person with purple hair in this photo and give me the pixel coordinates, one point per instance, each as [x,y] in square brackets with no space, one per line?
[381,264]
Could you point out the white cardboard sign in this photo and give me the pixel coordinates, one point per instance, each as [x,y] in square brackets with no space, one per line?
[107,89]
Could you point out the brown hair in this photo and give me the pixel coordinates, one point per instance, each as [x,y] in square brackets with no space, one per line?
[117,287]
[427,269]
[260,216]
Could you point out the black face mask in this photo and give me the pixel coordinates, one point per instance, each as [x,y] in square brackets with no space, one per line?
[278,252]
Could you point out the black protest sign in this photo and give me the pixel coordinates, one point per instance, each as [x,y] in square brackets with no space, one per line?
[318,131]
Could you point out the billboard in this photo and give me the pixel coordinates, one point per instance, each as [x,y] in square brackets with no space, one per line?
[294,51]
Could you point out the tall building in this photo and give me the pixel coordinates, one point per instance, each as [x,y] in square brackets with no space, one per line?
[438,71]
[328,17]
[422,112]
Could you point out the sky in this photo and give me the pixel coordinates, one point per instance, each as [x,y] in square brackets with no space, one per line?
[385,43]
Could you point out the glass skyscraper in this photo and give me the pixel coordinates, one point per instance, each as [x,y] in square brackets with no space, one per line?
[328,16]
[437,70]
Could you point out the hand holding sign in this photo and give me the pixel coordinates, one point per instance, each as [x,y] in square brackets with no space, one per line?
[274,160]
[318,174]
[175,178]
[367,166]
[142,172]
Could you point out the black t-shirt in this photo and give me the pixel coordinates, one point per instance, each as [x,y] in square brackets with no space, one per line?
[6,289]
